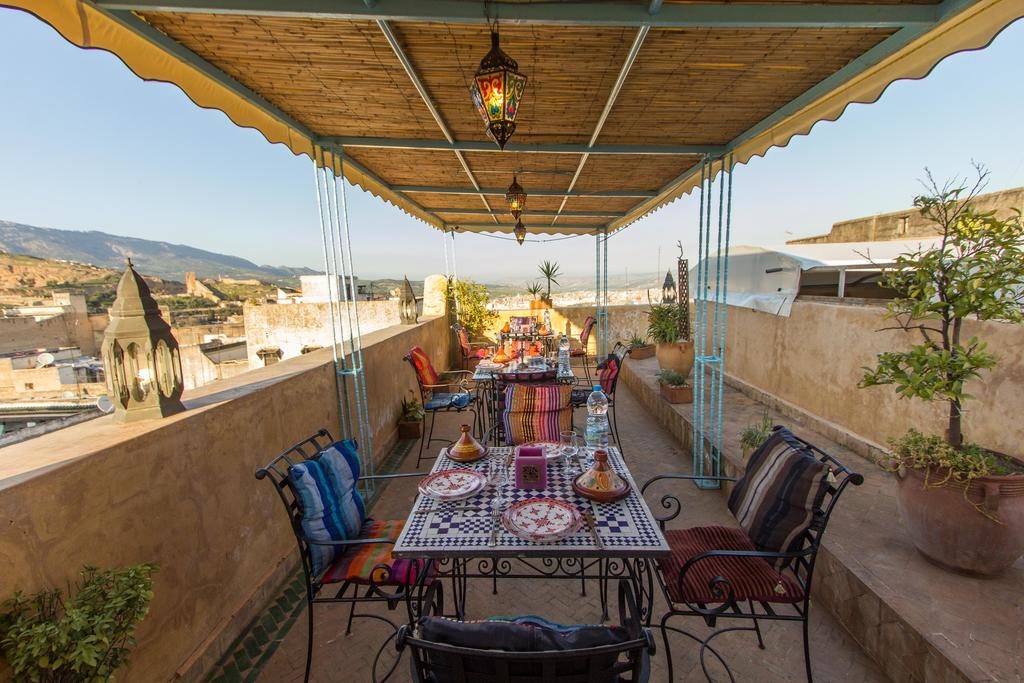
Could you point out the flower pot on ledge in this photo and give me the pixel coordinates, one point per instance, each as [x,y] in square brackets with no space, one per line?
[676,356]
[673,394]
[410,429]
[642,352]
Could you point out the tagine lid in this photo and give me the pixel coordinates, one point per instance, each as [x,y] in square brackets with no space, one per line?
[466,449]
[601,482]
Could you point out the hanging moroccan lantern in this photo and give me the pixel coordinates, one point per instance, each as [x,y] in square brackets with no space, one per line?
[498,92]
[519,232]
[516,198]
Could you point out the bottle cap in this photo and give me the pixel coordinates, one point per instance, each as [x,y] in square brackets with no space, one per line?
[597,387]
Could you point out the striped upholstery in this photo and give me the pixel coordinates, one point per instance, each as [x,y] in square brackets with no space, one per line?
[608,371]
[588,326]
[776,499]
[536,412]
[750,578]
[332,509]
[424,368]
[361,564]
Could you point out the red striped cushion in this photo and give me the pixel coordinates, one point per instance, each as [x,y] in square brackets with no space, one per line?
[536,412]
[588,325]
[750,578]
[362,564]
[609,370]
[424,368]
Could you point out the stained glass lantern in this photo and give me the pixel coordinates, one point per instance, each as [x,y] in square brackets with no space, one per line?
[516,198]
[498,92]
[668,289]
[519,232]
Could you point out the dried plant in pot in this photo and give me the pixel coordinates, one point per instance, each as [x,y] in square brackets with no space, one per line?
[674,388]
[639,348]
[410,422]
[962,505]
[663,324]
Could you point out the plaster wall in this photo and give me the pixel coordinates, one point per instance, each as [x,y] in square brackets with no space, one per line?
[180,492]
[814,359]
[69,328]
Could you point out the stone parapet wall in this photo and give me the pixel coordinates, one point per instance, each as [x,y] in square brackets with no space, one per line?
[180,492]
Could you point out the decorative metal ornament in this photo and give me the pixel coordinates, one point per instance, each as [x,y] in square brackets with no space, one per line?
[498,92]
[516,198]
[141,354]
[519,232]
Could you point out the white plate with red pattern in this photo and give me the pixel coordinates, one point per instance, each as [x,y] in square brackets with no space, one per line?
[452,484]
[542,520]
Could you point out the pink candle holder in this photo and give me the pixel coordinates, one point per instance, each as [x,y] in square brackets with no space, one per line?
[531,468]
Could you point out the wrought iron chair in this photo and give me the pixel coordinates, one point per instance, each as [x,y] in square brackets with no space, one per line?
[365,564]
[535,412]
[456,397]
[627,660]
[608,372]
[469,351]
[720,573]
[584,340]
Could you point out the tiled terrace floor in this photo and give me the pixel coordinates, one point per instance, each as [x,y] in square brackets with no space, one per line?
[649,450]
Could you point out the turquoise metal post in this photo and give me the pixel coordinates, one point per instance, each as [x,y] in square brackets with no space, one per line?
[604,308]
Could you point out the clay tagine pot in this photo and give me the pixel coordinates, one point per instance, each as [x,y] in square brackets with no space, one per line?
[500,356]
[506,328]
[466,449]
[601,482]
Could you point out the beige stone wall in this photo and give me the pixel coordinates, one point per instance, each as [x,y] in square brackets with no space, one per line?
[67,329]
[814,360]
[623,321]
[180,492]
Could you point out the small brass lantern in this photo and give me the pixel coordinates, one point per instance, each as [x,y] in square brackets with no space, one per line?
[498,91]
[519,232]
[407,304]
[668,290]
[141,355]
[516,198]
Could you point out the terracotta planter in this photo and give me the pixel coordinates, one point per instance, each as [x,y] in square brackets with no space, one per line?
[676,394]
[951,532]
[642,352]
[410,429]
[536,304]
[677,356]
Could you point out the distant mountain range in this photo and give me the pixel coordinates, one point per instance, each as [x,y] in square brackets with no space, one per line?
[163,259]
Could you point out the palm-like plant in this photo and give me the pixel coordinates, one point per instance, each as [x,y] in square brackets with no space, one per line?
[550,271]
[534,289]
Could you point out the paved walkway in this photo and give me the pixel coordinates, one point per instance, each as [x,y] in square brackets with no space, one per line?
[649,450]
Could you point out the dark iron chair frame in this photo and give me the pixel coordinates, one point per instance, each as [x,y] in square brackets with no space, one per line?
[620,351]
[465,354]
[429,657]
[584,353]
[428,438]
[377,591]
[801,563]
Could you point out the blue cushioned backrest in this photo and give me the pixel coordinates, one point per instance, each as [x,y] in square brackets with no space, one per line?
[332,509]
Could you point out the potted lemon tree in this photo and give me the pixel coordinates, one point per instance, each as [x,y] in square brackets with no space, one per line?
[962,505]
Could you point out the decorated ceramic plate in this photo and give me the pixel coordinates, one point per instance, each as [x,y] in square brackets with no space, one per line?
[552,451]
[452,484]
[542,520]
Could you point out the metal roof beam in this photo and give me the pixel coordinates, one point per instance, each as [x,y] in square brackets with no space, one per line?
[410,71]
[524,148]
[429,189]
[528,212]
[593,13]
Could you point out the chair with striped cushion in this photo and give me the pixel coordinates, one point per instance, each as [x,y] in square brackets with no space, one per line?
[346,557]
[471,352]
[536,412]
[762,569]
[440,394]
[608,372]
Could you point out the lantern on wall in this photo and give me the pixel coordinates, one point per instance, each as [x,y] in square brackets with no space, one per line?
[668,290]
[516,198]
[407,304]
[519,232]
[141,355]
[498,91]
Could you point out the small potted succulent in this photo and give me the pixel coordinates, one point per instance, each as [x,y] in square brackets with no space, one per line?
[962,504]
[410,423]
[639,348]
[664,322]
[51,637]
[674,388]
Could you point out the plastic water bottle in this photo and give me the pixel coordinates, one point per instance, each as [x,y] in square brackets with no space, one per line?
[563,356]
[597,419]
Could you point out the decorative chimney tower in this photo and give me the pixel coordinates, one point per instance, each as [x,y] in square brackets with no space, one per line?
[141,355]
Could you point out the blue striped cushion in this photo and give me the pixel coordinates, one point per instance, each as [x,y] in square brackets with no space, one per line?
[332,509]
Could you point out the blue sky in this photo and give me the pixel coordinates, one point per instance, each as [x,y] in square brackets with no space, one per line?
[84,144]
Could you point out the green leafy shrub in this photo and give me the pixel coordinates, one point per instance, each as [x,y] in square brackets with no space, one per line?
[663,323]
[412,410]
[636,340]
[473,313]
[756,434]
[672,378]
[51,638]
[550,270]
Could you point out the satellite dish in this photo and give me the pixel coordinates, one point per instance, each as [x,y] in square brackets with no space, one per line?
[105,405]
[44,359]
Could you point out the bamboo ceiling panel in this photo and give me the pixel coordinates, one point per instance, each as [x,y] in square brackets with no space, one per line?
[571,71]
[635,171]
[617,204]
[703,86]
[412,166]
[336,77]
[548,171]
